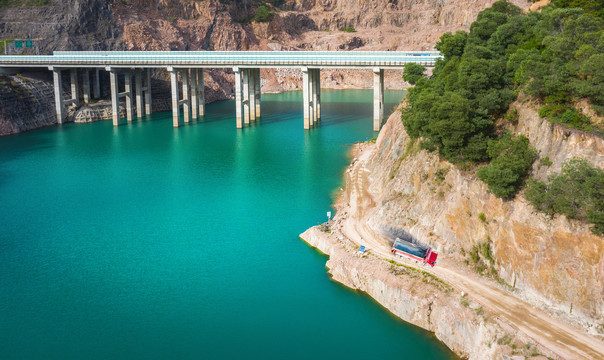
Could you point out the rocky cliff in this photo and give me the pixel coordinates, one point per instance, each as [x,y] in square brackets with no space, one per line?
[543,278]
[26,102]
[553,262]
[63,25]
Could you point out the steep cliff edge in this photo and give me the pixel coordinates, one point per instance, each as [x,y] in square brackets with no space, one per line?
[540,266]
[554,262]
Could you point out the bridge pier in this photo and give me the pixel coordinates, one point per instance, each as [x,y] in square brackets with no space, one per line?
[378,98]
[115,105]
[138,86]
[238,97]
[246,96]
[97,84]
[306,98]
[311,93]
[128,95]
[86,85]
[75,96]
[147,92]
[257,91]
[175,102]
[186,96]
[201,94]
[58,85]
[194,94]
[316,95]
[252,93]
[198,106]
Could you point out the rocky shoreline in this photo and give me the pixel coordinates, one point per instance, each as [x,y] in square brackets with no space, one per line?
[420,298]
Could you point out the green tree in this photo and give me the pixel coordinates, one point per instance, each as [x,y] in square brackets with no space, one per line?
[412,73]
[452,45]
[512,158]
[577,192]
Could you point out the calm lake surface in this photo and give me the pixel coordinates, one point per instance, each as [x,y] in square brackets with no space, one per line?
[149,242]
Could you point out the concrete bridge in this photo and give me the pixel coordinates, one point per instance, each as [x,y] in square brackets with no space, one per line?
[190,64]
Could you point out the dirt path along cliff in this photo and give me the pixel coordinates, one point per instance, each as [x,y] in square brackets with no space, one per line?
[565,340]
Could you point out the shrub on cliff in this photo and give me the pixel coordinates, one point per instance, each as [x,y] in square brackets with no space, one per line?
[577,192]
[412,73]
[263,14]
[512,158]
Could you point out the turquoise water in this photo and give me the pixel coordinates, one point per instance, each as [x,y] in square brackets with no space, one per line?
[149,242]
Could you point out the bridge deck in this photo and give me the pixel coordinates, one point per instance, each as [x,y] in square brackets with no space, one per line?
[222,59]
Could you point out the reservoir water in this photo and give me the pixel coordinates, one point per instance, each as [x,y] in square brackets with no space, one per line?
[149,242]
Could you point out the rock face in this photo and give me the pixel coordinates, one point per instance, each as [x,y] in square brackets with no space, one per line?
[64,25]
[25,103]
[555,263]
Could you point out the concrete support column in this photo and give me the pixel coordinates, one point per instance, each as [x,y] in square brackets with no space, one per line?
[186,95]
[128,94]
[246,96]
[238,98]
[194,95]
[378,98]
[58,82]
[97,84]
[115,105]
[148,109]
[74,87]
[138,86]
[252,90]
[175,106]
[258,92]
[315,95]
[306,97]
[86,86]
[201,95]
[311,95]
[318,94]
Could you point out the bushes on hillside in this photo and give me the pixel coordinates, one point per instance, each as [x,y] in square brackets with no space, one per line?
[263,14]
[412,73]
[556,55]
[512,158]
[577,192]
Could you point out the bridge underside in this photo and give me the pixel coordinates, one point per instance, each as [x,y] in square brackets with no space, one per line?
[190,83]
[186,71]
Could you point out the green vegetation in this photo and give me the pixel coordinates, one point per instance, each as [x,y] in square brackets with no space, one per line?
[20,3]
[482,217]
[441,173]
[427,278]
[481,258]
[348,29]
[577,192]
[556,55]
[511,160]
[545,161]
[263,14]
[413,73]
[8,41]
[594,7]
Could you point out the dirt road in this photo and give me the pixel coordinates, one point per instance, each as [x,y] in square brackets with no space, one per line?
[567,341]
